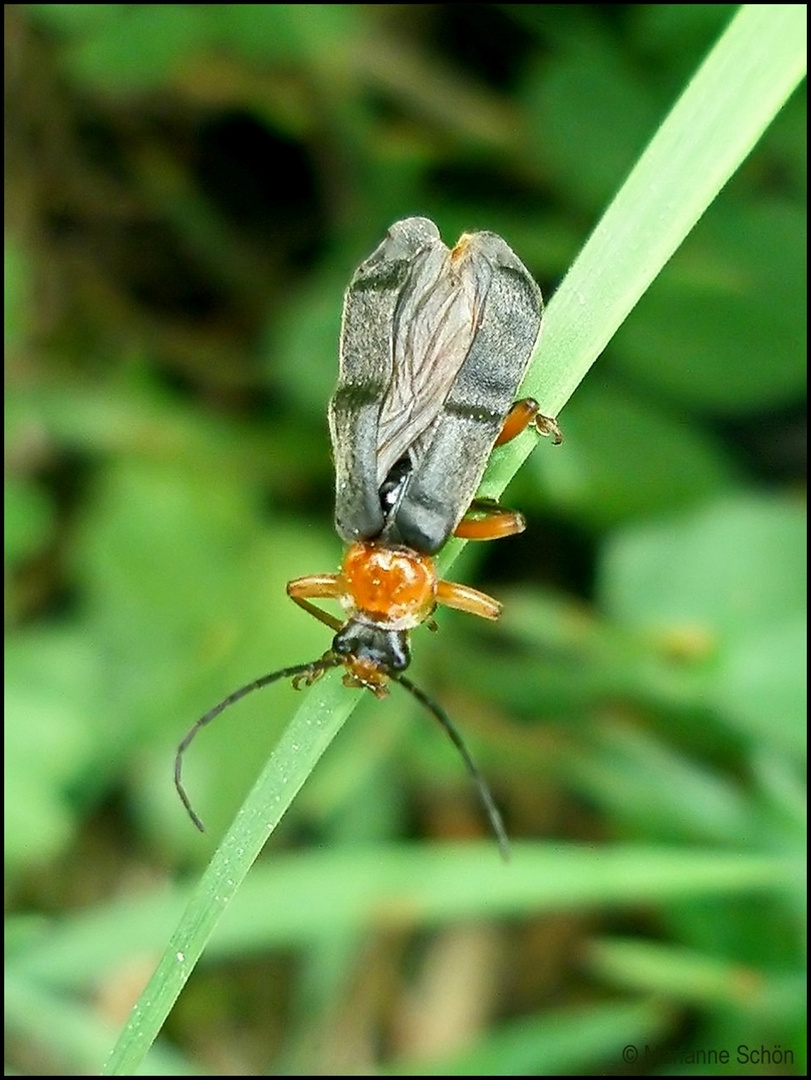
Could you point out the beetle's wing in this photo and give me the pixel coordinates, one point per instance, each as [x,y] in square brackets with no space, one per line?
[448,465]
[435,321]
[366,371]
[434,344]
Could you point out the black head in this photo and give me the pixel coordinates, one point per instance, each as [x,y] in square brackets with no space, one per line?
[386,650]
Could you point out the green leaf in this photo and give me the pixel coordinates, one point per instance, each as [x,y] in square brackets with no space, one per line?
[52,681]
[733,565]
[618,449]
[725,328]
[760,683]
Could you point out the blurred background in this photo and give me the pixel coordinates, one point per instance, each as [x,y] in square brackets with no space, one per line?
[188,191]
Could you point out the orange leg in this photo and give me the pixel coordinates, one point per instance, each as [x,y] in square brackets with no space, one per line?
[494,523]
[491,521]
[462,597]
[521,415]
[319,587]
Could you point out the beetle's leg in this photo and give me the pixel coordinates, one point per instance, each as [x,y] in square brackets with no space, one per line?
[494,523]
[320,587]
[451,594]
[521,415]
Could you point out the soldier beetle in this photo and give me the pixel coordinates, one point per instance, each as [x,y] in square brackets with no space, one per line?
[434,345]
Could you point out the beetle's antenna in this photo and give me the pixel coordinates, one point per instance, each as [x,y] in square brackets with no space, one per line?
[486,796]
[312,669]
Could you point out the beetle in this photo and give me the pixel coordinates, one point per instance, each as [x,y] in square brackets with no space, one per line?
[434,344]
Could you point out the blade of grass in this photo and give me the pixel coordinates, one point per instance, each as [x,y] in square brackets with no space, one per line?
[697,979]
[726,107]
[550,1043]
[286,901]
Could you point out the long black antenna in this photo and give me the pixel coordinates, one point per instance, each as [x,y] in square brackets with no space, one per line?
[312,668]
[486,796]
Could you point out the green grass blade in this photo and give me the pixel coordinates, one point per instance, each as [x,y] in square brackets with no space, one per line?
[726,107]
[303,742]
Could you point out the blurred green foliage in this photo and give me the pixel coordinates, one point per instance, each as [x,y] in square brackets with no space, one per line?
[189,188]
